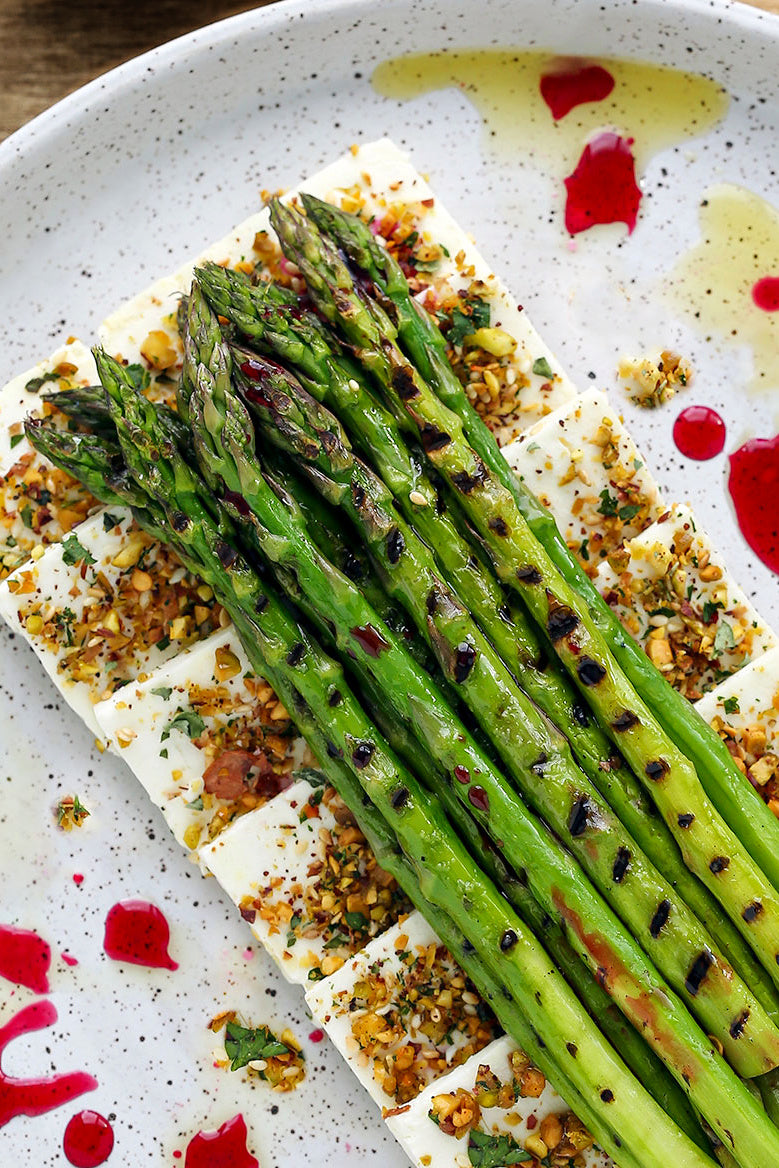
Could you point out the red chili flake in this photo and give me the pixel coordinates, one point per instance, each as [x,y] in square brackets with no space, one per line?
[316,1035]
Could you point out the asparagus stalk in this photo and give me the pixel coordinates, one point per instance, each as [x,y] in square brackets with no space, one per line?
[734,798]
[709,847]
[443,870]
[297,338]
[534,754]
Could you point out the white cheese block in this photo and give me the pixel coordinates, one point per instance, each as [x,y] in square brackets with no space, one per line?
[62,592]
[395,967]
[583,465]
[166,729]
[686,586]
[268,862]
[427,1146]
[383,174]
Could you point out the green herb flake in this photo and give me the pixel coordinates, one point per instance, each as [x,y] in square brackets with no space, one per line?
[26,514]
[584,550]
[35,383]
[488,1151]
[724,640]
[75,553]
[110,521]
[244,1045]
[139,376]
[473,315]
[629,511]
[186,722]
[196,804]
[163,691]
[608,503]
[710,612]
[356,921]
[16,439]
[730,705]
[542,368]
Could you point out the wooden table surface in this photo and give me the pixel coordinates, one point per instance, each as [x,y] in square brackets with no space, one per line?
[48,48]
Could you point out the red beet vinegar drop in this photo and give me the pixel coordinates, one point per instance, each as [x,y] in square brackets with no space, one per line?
[36,1096]
[603,187]
[765,293]
[699,433]
[563,90]
[754,489]
[88,1140]
[223,1148]
[24,958]
[137,932]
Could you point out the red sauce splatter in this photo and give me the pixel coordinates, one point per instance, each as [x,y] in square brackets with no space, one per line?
[369,639]
[78,878]
[137,932]
[699,433]
[603,188]
[69,959]
[24,958]
[223,1148]
[765,293]
[35,1096]
[89,1140]
[563,90]
[316,1035]
[754,488]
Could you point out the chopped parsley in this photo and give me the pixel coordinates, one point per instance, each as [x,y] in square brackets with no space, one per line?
[487,1151]
[608,503]
[196,804]
[139,376]
[186,722]
[474,314]
[244,1045]
[163,691]
[710,612]
[724,640]
[730,705]
[35,383]
[75,553]
[16,439]
[64,620]
[110,521]
[628,511]
[542,368]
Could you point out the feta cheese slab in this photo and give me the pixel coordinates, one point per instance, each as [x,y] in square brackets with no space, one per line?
[38,503]
[78,606]
[305,881]
[674,594]
[378,179]
[428,1144]
[744,711]
[583,465]
[401,1012]
[203,708]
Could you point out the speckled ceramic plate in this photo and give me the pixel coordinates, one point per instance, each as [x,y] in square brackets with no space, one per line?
[115,186]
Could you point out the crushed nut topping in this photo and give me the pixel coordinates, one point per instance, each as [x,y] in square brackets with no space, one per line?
[70,812]
[561,1138]
[675,602]
[346,899]
[755,750]
[103,638]
[415,1017]
[280,1062]
[651,382]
